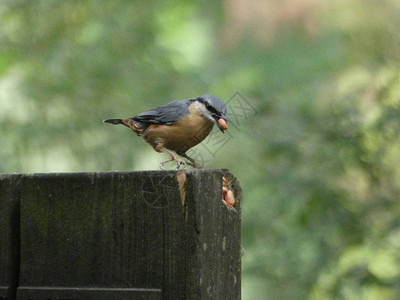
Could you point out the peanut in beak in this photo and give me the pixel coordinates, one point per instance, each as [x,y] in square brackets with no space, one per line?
[222,124]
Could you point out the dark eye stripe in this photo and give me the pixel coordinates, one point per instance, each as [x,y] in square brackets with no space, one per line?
[208,106]
[213,110]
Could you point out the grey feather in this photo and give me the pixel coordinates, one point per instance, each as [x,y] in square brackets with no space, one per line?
[166,114]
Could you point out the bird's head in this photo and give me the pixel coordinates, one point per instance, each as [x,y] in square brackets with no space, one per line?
[214,109]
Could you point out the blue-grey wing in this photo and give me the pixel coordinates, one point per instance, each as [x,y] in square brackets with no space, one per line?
[166,114]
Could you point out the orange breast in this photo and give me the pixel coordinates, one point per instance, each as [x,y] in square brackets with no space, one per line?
[180,136]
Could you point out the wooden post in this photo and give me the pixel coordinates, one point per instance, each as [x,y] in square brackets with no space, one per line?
[9,235]
[128,235]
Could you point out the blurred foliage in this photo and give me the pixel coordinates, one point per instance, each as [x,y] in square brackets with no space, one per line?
[319,162]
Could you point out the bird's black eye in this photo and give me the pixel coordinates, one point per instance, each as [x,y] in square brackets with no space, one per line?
[212,110]
[206,104]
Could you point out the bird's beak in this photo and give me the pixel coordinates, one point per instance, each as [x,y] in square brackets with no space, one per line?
[225,118]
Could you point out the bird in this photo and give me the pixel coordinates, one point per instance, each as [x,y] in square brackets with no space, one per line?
[176,127]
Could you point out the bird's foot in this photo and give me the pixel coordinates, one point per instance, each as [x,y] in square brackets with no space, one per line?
[179,161]
[195,165]
[191,162]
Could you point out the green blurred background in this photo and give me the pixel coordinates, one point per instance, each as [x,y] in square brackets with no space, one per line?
[317,155]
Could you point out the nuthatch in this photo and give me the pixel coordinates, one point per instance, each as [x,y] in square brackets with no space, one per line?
[178,125]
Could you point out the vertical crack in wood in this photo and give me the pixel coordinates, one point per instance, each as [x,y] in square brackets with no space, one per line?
[181,177]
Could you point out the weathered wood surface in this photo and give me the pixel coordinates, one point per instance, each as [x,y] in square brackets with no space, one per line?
[127,235]
[9,235]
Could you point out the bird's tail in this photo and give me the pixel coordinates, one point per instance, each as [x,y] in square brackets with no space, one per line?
[137,127]
[113,121]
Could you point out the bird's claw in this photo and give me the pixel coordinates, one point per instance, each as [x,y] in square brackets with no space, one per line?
[179,162]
